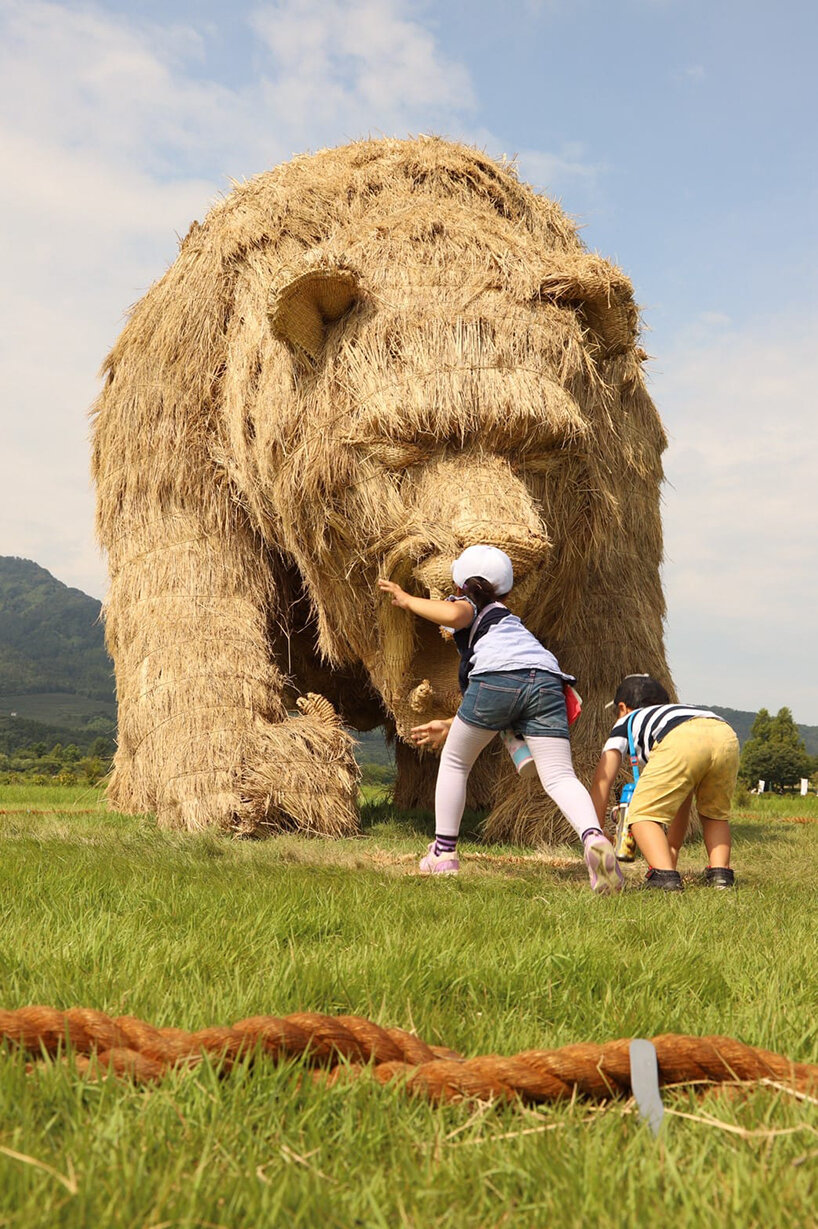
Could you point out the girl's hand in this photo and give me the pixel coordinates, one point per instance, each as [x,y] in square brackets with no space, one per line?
[447,614]
[432,734]
[399,597]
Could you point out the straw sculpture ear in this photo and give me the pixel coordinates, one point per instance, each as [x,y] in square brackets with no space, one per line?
[302,309]
[602,296]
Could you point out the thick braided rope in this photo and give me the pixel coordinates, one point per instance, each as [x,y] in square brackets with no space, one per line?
[129,1046]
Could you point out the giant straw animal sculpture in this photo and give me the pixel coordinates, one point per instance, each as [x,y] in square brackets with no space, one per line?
[360,363]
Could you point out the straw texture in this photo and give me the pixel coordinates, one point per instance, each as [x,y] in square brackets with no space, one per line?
[361,362]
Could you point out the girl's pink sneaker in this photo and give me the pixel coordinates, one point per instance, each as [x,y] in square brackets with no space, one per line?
[603,868]
[439,864]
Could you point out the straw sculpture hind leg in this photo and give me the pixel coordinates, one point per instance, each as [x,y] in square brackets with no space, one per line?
[204,735]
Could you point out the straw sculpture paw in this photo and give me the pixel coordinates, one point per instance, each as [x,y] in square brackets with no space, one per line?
[361,362]
[308,780]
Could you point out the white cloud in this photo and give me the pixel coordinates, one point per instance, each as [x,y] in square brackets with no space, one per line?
[88,223]
[741,514]
[561,172]
[82,79]
[112,141]
[354,65]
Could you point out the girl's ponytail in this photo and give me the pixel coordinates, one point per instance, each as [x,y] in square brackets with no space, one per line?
[480,590]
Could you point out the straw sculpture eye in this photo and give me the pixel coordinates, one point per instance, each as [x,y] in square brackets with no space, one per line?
[302,310]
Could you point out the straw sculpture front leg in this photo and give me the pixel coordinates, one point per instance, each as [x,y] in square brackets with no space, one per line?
[205,739]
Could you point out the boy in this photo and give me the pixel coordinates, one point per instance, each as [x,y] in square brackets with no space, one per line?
[681,751]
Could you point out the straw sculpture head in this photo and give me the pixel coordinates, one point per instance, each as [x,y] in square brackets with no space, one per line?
[360,363]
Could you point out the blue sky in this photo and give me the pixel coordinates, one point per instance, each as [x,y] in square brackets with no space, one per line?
[679,134]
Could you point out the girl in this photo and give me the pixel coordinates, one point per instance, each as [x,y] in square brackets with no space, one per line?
[508,680]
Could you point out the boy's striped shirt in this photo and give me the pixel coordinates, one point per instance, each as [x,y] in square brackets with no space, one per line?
[650,725]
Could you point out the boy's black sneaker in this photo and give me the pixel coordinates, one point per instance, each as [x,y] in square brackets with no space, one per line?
[719,877]
[666,881]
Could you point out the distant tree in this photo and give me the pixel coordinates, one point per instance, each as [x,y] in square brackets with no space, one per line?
[377,774]
[92,768]
[782,726]
[775,751]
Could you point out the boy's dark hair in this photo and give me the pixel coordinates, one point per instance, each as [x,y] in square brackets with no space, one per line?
[481,591]
[639,690]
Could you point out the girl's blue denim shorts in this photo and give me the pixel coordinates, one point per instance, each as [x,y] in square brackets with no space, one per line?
[529,702]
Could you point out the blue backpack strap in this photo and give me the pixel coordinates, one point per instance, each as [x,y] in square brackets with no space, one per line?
[632,748]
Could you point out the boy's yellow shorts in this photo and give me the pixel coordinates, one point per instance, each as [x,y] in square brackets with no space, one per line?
[700,756]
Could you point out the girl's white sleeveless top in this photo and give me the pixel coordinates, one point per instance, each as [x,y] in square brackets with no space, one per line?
[509,645]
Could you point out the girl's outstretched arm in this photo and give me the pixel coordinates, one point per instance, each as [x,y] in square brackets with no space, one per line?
[448,614]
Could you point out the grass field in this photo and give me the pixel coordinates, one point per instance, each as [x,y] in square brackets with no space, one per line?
[104,911]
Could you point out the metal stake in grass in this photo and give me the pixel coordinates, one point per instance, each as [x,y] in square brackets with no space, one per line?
[645,1083]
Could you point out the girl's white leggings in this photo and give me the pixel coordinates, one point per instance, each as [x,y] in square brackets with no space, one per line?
[554,767]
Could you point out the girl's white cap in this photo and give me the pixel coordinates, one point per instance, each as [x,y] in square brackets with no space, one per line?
[489,562]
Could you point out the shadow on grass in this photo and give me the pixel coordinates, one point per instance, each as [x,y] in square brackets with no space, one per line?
[419,821]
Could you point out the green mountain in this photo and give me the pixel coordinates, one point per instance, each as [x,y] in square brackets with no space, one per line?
[56,679]
[51,638]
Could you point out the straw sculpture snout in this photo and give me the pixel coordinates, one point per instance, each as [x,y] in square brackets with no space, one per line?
[360,363]
[454,500]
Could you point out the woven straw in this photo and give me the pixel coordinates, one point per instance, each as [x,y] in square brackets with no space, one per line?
[301,311]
